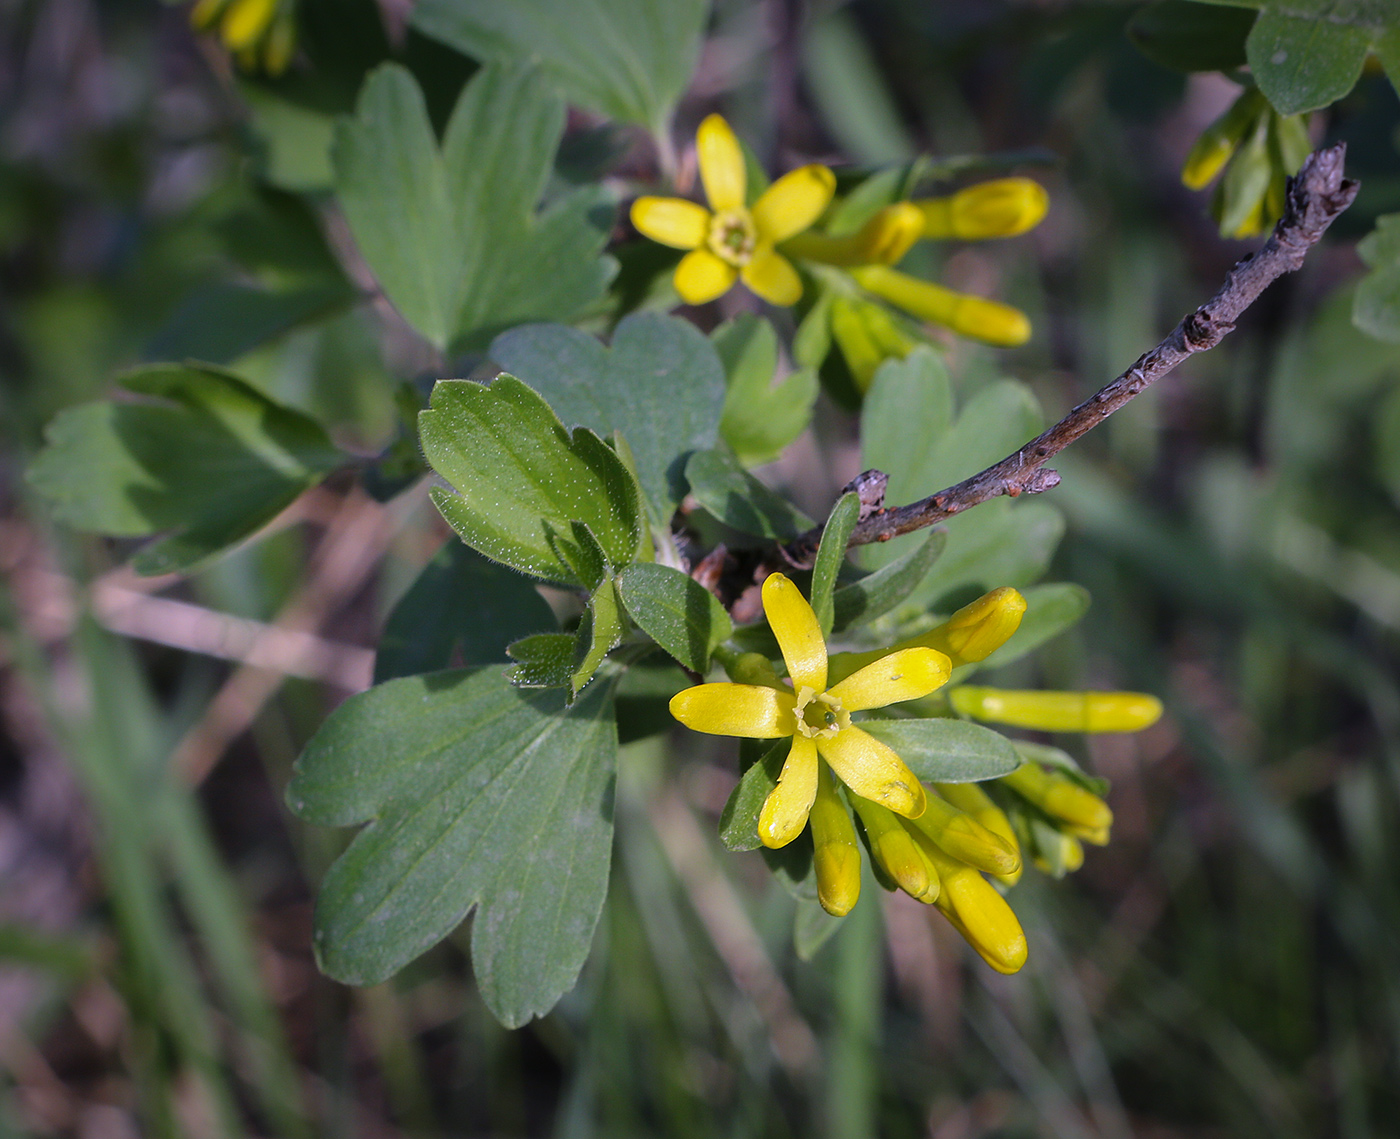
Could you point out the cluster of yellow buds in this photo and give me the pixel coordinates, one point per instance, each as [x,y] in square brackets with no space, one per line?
[757,243]
[939,843]
[1257,149]
[261,34]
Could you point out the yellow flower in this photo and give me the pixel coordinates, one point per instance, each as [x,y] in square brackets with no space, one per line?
[256,31]
[1004,207]
[817,718]
[1059,711]
[989,321]
[731,240]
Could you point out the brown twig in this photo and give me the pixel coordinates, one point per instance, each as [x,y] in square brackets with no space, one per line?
[1316,196]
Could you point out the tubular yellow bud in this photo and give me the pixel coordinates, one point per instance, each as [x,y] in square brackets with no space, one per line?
[1068,855]
[963,837]
[883,240]
[895,850]
[836,849]
[975,909]
[973,633]
[972,800]
[989,321]
[246,21]
[1060,796]
[1059,711]
[1096,835]
[1001,208]
[1219,140]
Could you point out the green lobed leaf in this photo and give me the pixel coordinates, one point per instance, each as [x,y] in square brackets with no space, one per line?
[831,554]
[1187,36]
[1305,54]
[946,750]
[462,610]
[738,822]
[546,660]
[520,475]
[676,611]
[1376,303]
[999,543]
[630,59]
[452,234]
[477,796]
[1050,610]
[760,418]
[660,384]
[207,456]
[739,500]
[876,594]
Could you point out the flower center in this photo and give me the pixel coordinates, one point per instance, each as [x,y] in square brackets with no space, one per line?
[732,236]
[819,714]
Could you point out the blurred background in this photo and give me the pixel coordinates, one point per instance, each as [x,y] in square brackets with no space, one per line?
[1229,965]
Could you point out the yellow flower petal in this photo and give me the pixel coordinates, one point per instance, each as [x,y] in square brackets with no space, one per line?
[736,710]
[772,277]
[895,849]
[785,811]
[964,838]
[245,21]
[793,203]
[977,911]
[874,771]
[799,636]
[904,675]
[1059,711]
[835,849]
[671,221]
[701,276]
[721,161]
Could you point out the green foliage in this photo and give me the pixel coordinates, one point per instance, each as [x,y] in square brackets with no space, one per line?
[739,500]
[738,823]
[831,555]
[599,632]
[676,611]
[1188,36]
[522,479]
[451,233]
[947,751]
[546,660]
[630,59]
[1050,610]
[477,796]
[1376,303]
[877,593]
[462,610]
[660,384]
[760,418]
[206,456]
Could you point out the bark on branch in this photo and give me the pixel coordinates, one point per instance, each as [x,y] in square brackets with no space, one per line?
[1316,196]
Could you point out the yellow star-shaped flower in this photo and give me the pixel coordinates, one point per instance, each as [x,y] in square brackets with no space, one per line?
[731,240]
[817,718]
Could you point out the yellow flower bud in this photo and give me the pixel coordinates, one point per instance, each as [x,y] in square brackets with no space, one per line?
[896,851]
[1001,208]
[245,21]
[835,848]
[1066,857]
[989,321]
[281,42]
[1059,711]
[1219,141]
[963,837]
[972,800]
[883,240]
[1060,796]
[975,909]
